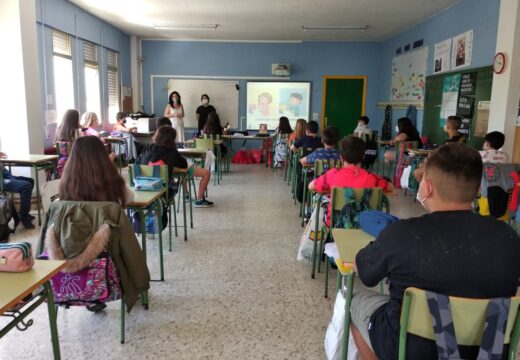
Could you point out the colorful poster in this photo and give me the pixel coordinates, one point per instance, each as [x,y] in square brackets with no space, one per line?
[461,48]
[408,75]
[442,56]
[450,96]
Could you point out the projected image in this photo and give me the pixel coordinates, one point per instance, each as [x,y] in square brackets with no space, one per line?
[267,101]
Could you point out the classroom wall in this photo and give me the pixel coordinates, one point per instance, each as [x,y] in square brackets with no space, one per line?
[309,60]
[67,17]
[479,15]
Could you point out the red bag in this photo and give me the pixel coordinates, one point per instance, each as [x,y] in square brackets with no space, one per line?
[241,157]
[255,156]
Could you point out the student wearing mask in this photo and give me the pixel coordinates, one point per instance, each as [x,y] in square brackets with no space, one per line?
[203,112]
[120,124]
[175,112]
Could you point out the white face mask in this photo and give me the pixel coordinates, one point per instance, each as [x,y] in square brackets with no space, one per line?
[445,128]
[396,129]
[418,196]
[205,101]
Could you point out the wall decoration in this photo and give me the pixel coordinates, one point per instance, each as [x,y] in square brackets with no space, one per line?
[408,75]
[461,49]
[450,96]
[442,56]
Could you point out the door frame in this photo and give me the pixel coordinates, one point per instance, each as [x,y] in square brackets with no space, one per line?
[346,77]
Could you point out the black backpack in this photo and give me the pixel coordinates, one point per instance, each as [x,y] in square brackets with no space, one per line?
[370,153]
[7,213]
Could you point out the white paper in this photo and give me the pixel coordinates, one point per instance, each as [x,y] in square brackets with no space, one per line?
[461,49]
[408,75]
[442,57]
[450,97]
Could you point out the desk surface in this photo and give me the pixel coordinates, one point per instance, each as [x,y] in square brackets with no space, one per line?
[29,159]
[249,137]
[349,242]
[16,286]
[420,152]
[114,139]
[145,198]
[384,142]
[193,151]
[192,142]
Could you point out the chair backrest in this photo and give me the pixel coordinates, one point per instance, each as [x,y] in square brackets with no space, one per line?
[204,144]
[469,318]
[322,166]
[49,193]
[338,199]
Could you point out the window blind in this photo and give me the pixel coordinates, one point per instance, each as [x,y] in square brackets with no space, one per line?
[61,44]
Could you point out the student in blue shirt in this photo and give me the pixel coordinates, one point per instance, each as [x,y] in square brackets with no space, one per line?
[310,140]
[329,152]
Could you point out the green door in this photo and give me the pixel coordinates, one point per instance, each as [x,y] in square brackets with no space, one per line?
[344,102]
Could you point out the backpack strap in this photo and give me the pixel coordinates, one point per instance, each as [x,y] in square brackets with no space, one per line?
[443,328]
[492,343]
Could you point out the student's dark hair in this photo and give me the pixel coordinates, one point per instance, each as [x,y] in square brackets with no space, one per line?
[330,136]
[456,171]
[454,122]
[284,126]
[204,96]
[89,175]
[352,149]
[69,127]
[297,96]
[120,115]
[163,121]
[406,126]
[213,125]
[365,119]
[170,98]
[165,136]
[312,127]
[496,139]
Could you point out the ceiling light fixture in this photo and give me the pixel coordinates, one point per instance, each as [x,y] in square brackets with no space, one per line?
[185,26]
[335,28]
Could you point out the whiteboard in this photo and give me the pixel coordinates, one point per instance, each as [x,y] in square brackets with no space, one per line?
[223,95]
[408,75]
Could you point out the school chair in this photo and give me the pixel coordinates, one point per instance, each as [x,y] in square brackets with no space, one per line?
[288,162]
[63,149]
[183,177]
[469,320]
[399,163]
[301,152]
[147,170]
[209,145]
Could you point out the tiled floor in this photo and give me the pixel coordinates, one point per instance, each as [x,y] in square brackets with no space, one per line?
[233,291]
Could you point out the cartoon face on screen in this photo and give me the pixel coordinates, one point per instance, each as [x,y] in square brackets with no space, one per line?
[264,101]
[295,100]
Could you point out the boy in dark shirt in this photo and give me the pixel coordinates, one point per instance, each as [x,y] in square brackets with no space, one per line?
[450,251]
[330,149]
[310,140]
[451,128]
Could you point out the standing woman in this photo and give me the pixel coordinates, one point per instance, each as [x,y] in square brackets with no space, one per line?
[203,111]
[175,112]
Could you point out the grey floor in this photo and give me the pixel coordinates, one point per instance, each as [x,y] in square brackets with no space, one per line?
[233,291]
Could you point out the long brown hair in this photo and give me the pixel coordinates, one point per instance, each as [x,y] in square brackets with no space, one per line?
[89,175]
[299,129]
[165,136]
[213,126]
[69,126]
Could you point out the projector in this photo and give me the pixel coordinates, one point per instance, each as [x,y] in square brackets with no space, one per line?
[281,69]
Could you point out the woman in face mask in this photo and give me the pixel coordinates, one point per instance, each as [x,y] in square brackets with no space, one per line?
[175,112]
[406,131]
[203,111]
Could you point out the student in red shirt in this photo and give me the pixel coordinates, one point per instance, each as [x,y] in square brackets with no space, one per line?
[352,151]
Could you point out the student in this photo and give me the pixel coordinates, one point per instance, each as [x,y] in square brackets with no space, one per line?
[405,132]
[310,140]
[214,128]
[329,152]
[280,147]
[423,252]
[69,129]
[162,121]
[362,127]
[23,186]
[491,152]
[163,149]
[299,130]
[352,151]
[451,128]
[120,124]
[90,123]
[203,111]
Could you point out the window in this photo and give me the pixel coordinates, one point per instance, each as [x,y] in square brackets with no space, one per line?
[113,85]
[93,96]
[63,78]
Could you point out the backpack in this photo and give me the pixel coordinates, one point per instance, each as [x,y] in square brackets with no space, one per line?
[348,216]
[374,221]
[370,154]
[7,212]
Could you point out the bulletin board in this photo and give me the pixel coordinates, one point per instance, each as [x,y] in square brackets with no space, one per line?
[432,126]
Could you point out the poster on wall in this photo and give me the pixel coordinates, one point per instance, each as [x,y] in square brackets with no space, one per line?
[408,75]
[442,56]
[481,126]
[468,84]
[461,49]
[465,127]
[450,96]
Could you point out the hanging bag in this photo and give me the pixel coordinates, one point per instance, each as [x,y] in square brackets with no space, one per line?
[148,183]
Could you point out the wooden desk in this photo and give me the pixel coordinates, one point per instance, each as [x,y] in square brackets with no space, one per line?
[148,201]
[420,152]
[349,242]
[193,153]
[17,286]
[37,162]
[266,139]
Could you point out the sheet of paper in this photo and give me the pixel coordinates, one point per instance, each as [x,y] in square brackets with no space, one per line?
[442,56]
[461,49]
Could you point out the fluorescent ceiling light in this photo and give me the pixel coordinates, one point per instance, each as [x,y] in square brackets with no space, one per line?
[185,26]
[335,28]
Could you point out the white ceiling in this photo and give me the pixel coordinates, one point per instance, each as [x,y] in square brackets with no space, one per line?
[273,20]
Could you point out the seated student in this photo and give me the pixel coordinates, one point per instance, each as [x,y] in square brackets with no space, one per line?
[163,149]
[329,152]
[362,129]
[120,124]
[23,186]
[491,152]
[423,252]
[66,134]
[352,151]
[299,130]
[90,124]
[451,128]
[310,140]
[213,128]
[163,121]
[280,147]
[406,131]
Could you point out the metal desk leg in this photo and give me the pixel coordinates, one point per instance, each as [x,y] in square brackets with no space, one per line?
[37,184]
[144,296]
[158,215]
[187,180]
[52,321]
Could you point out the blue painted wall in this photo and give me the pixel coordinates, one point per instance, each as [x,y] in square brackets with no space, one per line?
[309,60]
[479,15]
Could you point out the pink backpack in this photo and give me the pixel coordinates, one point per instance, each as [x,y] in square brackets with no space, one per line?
[16,257]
